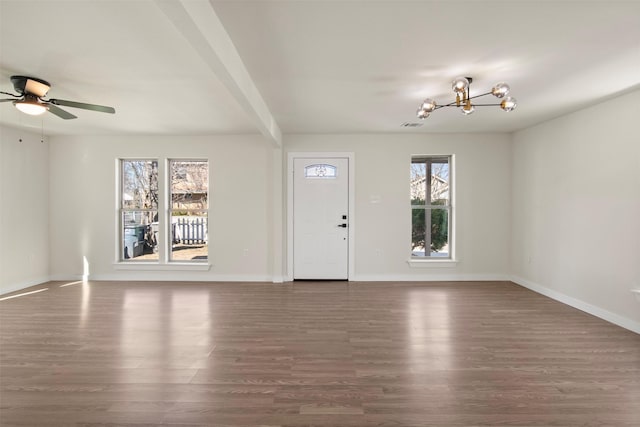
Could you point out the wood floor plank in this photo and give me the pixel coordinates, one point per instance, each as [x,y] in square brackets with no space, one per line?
[311,354]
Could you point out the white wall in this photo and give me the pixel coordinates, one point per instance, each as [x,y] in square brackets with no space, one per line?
[83,204]
[244,202]
[24,209]
[382,229]
[576,209]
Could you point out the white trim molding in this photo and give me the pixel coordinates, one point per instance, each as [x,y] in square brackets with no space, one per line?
[154,266]
[432,263]
[173,276]
[431,277]
[614,318]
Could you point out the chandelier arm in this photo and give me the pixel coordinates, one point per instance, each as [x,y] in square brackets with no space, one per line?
[451,104]
[478,96]
[454,103]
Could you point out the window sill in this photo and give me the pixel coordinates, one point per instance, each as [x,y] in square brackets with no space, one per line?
[172,266]
[432,263]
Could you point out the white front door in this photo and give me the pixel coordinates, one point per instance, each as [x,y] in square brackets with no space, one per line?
[321,218]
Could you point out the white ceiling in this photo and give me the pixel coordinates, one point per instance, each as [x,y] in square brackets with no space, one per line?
[313,66]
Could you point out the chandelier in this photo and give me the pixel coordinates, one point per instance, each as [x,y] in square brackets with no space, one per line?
[460,86]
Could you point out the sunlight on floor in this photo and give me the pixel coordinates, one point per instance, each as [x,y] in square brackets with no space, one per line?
[79,282]
[23,294]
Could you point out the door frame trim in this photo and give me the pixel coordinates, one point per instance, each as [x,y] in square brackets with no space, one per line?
[350,156]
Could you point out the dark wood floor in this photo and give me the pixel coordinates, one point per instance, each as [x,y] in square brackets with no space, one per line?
[311,354]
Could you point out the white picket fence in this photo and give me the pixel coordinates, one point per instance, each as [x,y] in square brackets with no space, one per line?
[189,230]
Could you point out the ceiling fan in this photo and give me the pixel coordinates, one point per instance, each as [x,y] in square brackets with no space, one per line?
[30,99]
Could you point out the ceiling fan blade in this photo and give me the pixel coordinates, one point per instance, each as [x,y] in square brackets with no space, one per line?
[60,112]
[6,100]
[92,107]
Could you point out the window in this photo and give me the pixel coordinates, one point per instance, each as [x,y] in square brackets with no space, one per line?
[139,209]
[431,207]
[320,171]
[161,223]
[189,182]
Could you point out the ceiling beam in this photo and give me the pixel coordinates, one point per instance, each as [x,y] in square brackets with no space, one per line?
[201,27]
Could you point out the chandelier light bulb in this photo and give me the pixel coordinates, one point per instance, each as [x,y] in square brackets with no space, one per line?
[422,114]
[459,84]
[508,104]
[429,105]
[500,90]
[468,108]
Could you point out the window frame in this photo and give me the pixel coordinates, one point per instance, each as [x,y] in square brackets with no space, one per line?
[429,160]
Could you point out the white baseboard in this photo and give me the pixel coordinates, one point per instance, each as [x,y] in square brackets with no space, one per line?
[616,319]
[69,278]
[24,284]
[430,278]
[176,277]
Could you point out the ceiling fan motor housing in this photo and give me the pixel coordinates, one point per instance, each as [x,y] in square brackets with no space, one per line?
[22,85]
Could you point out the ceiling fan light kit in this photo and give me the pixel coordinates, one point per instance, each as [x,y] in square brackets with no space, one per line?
[31,105]
[30,99]
[460,87]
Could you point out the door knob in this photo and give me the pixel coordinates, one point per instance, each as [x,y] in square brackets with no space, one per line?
[342,225]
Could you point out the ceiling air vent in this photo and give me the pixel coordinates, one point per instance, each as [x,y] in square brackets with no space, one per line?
[411,125]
